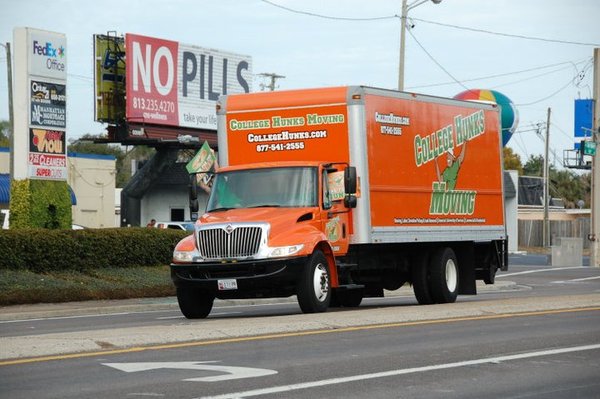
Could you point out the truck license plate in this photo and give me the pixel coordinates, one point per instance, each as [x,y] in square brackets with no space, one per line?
[230,284]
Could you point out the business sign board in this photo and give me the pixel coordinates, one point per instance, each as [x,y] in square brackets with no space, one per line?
[109,78]
[174,84]
[47,154]
[40,98]
[48,104]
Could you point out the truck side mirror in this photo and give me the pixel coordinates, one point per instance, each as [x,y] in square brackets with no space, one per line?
[194,206]
[193,187]
[350,180]
[350,201]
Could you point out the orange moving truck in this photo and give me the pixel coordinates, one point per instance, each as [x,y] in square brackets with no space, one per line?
[336,194]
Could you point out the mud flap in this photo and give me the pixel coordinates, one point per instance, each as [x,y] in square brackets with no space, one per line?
[465,255]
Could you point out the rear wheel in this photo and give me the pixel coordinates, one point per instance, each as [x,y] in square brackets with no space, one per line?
[314,287]
[443,281]
[194,303]
[420,279]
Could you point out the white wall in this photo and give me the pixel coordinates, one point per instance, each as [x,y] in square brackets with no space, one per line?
[511,206]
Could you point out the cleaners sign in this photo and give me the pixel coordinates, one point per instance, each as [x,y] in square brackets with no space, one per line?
[169,83]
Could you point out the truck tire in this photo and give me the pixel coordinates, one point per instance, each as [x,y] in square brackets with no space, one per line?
[194,304]
[420,279]
[443,282]
[314,288]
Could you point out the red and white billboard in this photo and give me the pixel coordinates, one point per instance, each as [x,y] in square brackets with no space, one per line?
[174,84]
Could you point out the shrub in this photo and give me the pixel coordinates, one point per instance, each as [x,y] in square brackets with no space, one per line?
[43,250]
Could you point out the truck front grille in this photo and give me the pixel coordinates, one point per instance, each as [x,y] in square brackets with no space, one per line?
[229,242]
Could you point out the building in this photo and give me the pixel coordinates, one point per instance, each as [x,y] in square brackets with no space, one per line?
[91,179]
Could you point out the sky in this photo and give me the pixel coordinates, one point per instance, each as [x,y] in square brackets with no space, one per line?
[452,46]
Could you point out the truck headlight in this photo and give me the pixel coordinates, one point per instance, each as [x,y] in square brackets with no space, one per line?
[183,256]
[278,252]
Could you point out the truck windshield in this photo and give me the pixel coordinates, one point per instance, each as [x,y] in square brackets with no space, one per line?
[272,187]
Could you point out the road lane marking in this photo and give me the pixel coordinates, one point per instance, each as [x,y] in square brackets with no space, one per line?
[576,280]
[542,270]
[221,341]
[228,372]
[392,373]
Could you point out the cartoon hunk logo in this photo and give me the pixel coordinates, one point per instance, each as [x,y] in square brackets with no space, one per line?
[445,200]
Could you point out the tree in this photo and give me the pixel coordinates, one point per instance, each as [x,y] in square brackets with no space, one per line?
[512,161]
[5,133]
[535,166]
[85,145]
[570,187]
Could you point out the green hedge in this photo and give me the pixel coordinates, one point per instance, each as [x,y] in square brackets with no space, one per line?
[43,250]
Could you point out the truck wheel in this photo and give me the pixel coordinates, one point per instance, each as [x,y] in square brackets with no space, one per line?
[194,304]
[314,288]
[350,298]
[490,273]
[420,280]
[443,276]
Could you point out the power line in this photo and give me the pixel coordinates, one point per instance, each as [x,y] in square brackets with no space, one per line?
[329,16]
[499,75]
[430,22]
[436,62]
[507,34]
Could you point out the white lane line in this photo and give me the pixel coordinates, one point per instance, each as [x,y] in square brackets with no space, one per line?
[83,316]
[576,280]
[391,373]
[542,270]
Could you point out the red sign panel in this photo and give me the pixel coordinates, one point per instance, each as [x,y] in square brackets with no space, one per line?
[151,76]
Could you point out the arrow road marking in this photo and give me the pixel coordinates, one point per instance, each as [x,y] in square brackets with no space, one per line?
[230,372]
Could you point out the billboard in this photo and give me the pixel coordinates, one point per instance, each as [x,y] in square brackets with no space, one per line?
[109,78]
[174,84]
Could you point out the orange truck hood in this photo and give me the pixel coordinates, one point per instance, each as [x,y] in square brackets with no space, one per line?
[283,221]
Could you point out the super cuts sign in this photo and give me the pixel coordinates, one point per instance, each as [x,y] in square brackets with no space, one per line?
[174,84]
[47,154]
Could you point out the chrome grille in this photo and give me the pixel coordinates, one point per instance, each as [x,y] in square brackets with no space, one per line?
[229,242]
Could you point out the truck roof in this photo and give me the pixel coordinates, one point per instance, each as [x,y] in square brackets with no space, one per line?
[262,165]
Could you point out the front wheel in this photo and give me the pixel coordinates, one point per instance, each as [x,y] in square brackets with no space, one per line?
[314,287]
[194,303]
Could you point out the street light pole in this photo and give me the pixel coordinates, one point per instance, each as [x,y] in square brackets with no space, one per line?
[405,9]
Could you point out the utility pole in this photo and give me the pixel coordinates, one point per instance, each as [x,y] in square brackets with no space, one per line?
[595,205]
[273,77]
[546,227]
[11,119]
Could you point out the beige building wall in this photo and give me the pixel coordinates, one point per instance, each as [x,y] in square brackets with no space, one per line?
[92,179]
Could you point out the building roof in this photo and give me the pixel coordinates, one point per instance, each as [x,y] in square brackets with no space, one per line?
[5,190]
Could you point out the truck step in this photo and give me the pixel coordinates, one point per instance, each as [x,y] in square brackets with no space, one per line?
[347,287]
[346,266]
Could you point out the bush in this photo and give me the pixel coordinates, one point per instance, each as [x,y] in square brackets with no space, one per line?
[42,250]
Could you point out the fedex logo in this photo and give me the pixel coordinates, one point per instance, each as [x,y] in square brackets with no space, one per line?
[48,50]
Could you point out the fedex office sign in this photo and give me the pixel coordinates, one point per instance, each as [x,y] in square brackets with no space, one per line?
[174,84]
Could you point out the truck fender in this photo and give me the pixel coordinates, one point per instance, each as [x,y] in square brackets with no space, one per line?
[324,246]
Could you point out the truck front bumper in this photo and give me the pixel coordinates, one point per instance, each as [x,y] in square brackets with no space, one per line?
[253,279]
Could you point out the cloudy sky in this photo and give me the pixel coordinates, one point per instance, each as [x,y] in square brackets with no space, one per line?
[537,52]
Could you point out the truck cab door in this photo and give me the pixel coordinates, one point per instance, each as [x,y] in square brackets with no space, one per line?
[335,216]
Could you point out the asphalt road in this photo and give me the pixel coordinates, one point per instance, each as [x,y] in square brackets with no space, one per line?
[535,335]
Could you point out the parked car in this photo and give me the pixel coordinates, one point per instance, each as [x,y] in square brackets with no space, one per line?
[189,226]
